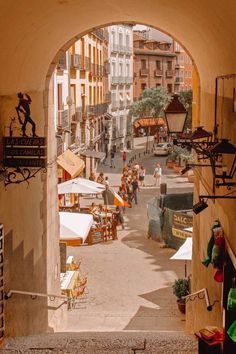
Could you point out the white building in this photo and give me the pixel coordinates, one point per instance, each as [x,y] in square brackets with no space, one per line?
[120,53]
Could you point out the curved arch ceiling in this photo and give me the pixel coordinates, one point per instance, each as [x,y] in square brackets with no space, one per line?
[32,32]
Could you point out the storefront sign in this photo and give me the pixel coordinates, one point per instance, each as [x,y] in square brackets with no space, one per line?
[181,221]
[24,152]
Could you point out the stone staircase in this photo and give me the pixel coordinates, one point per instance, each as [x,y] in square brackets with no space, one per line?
[103,343]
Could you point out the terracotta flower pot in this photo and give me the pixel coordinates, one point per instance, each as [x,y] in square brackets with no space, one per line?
[170,164]
[181,305]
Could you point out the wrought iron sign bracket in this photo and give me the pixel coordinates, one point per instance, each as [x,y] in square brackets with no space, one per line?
[23,158]
[19,175]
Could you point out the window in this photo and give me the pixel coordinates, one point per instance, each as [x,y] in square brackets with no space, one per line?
[158,64]
[158,85]
[59,97]
[143,86]
[113,97]
[127,40]
[120,39]
[143,63]
[169,88]
[113,69]
[120,69]
[127,70]
[169,65]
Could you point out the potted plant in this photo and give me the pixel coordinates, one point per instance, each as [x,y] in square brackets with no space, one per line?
[181,289]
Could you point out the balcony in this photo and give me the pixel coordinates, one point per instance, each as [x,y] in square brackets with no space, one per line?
[63,119]
[62,64]
[77,116]
[179,80]
[76,61]
[114,80]
[122,80]
[115,105]
[100,34]
[108,97]
[128,50]
[158,72]
[128,80]
[96,110]
[114,48]
[170,73]
[178,66]
[143,72]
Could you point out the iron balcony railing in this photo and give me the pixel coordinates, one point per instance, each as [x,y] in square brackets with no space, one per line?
[63,118]
[96,110]
[114,80]
[143,72]
[120,48]
[179,80]
[129,79]
[62,63]
[170,73]
[102,34]
[158,72]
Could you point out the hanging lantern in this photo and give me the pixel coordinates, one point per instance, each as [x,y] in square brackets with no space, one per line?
[176,115]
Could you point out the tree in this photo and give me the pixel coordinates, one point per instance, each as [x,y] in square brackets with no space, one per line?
[151,103]
[186,97]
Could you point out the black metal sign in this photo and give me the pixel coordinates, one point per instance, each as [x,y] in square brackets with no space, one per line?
[24,152]
[24,141]
[180,222]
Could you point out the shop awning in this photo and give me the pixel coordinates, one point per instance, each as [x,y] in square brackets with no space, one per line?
[148,122]
[71,163]
[108,116]
[74,226]
[95,154]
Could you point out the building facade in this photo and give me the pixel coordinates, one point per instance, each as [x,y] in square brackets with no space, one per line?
[81,97]
[160,61]
[183,69]
[120,51]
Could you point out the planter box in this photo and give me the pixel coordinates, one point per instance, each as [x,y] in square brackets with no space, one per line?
[177,168]
[170,164]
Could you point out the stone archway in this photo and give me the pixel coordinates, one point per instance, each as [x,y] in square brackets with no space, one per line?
[33,34]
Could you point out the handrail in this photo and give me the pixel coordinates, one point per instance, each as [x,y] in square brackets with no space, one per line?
[52,297]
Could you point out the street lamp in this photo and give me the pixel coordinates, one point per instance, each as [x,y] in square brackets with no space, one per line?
[176,115]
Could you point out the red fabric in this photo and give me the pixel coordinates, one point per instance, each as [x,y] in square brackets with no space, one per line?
[219,277]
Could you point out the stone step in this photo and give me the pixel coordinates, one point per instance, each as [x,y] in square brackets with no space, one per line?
[103,343]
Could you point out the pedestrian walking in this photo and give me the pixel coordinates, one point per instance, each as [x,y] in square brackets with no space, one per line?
[124,157]
[135,186]
[157,175]
[120,217]
[142,173]
[112,155]
[106,182]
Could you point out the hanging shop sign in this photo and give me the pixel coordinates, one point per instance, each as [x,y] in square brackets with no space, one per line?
[24,152]
[180,222]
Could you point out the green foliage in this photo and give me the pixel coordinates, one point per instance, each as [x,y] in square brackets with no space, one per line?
[151,103]
[181,288]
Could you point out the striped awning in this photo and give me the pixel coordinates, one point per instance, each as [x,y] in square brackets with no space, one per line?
[108,116]
[148,122]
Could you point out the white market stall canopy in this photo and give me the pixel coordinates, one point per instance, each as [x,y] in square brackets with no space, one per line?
[80,186]
[185,251]
[74,226]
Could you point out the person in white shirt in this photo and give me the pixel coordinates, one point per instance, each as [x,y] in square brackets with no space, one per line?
[157,175]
